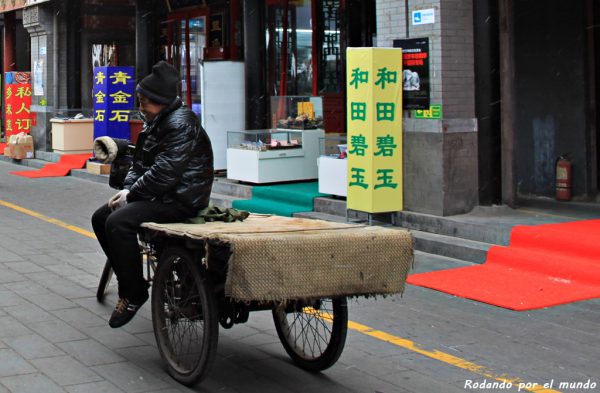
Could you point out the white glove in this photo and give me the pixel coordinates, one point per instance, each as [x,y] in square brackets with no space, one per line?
[119,200]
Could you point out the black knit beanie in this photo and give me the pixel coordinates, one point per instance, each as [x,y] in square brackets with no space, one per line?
[161,85]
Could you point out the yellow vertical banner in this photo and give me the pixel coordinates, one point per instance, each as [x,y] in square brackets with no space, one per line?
[374,114]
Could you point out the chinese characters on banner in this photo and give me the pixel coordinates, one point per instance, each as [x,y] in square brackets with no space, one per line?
[17,96]
[113,100]
[374,100]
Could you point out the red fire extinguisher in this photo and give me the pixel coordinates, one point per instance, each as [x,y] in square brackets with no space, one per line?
[564,178]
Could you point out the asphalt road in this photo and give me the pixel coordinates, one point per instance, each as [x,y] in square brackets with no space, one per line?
[54,335]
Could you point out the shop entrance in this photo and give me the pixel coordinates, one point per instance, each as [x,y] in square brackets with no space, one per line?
[183,39]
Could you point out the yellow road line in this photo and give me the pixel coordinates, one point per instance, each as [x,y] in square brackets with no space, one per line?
[48,219]
[378,334]
[448,359]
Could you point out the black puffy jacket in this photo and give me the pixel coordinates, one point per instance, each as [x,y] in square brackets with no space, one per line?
[173,160]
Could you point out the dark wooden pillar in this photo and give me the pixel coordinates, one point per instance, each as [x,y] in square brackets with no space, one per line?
[10,36]
[255,54]
[74,27]
[147,45]
[592,159]
[507,96]
[487,102]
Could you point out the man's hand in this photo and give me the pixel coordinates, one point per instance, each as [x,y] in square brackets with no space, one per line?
[119,200]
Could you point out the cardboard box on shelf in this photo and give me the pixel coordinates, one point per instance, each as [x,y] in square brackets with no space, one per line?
[20,146]
[98,168]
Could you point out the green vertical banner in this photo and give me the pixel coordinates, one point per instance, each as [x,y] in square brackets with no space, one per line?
[374,111]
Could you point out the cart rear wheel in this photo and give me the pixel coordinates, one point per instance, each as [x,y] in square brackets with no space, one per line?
[313,333]
[105,278]
[184,316]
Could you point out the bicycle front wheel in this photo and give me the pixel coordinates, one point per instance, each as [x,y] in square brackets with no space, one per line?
[184,316]
[313,333]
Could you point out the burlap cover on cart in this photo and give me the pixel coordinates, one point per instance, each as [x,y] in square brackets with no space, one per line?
[280,258]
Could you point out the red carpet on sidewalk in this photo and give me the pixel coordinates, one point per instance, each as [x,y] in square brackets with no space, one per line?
[543,266]
[60,168]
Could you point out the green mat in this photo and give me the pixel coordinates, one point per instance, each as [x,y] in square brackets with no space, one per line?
[281,199]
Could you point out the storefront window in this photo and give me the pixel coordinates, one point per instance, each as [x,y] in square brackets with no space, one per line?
[289,47]
[330,59]
[184,39]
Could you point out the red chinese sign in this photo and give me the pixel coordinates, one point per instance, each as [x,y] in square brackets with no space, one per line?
[17,96]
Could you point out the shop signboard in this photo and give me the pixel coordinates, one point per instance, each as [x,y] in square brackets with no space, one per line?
[374,108]
[415,74]
[114,97]
[434,112]
[17,98]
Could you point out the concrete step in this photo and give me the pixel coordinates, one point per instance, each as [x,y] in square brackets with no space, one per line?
[84,174]
[477,228]
[29,162]
[224,186]
[222,200]
[320,216]
[480,229]
[451,247]
[431,243]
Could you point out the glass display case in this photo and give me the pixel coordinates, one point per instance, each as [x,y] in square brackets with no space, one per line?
[333,165]
[263,140]
[272,155]
[297,112]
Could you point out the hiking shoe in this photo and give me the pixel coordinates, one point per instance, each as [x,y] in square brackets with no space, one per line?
[124,312]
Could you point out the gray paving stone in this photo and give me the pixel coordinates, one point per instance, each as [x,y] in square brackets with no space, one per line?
[49,301]
[87,280]
[24,267]
[130,378]
[33,346]
[31,383]
[42,259]
[94,387]
[11,276]
[112,338]
[9,298]
[69,289]
[147,338]
[146,357]
[260,338]
[28,313]
[9,327]
[177,390]
[352,357]
[240,352]
[102,309]
[8,256]
[408,381]
[79,317]
[57,331]
[90,352]
[139,324]
[65,270]
[248,378]
[27,288]
[64,370]
[11,363]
